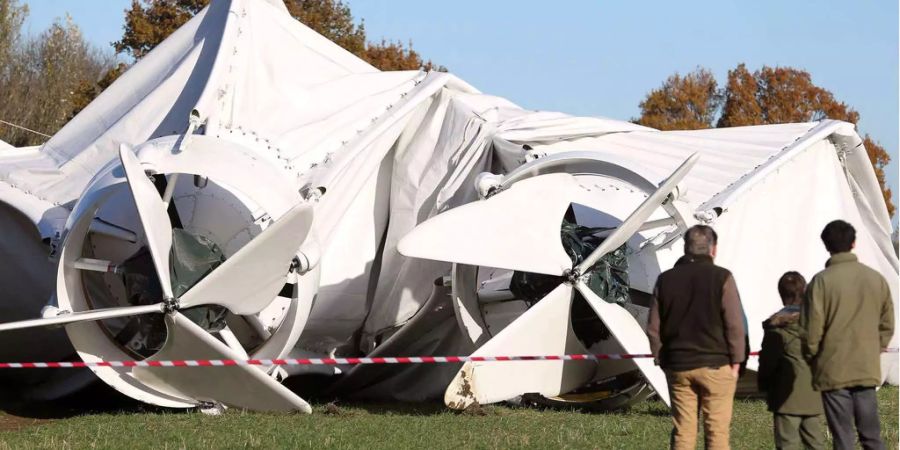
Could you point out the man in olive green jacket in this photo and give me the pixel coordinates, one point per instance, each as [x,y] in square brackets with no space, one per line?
[785,376]
[848,318]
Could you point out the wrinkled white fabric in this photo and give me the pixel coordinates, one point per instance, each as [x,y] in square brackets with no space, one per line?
[395,148]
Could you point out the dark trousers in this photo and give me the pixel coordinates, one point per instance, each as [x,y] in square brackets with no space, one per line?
[843,408]
[798,432]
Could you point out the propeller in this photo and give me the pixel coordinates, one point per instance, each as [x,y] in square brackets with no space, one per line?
[240,385]
[84,316]
[633,223]
[544,329]
[518,229]
[244,284]
[153,215]
[629,335]
[508,235]
[262,260]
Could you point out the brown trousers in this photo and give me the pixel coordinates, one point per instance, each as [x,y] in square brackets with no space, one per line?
[710,389]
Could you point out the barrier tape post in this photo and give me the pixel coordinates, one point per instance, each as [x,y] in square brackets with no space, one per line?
[326,361]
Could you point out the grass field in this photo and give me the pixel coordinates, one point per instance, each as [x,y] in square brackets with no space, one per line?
[645,426]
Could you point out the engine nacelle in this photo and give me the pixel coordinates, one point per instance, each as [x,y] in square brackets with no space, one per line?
[239,197]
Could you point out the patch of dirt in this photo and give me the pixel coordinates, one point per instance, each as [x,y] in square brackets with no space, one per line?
[465,395]
[332,409]
[9,422]
[474,409]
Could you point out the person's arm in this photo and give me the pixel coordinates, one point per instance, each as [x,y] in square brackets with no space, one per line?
[733,318]
[768,360]
[886,325]
[812,318]
[653,327]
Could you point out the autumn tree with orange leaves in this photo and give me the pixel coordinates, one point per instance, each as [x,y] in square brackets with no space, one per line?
[766,96]
[686,102]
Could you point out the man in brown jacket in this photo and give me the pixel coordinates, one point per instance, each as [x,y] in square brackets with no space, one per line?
[848,317]
[697,335]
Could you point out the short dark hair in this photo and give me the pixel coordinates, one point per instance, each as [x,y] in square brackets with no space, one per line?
[791,288]
[699,240]
[838,236]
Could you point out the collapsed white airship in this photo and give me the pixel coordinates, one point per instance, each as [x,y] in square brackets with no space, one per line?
[251,190]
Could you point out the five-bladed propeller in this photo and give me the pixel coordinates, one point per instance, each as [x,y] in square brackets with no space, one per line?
[518,229]
[245,284]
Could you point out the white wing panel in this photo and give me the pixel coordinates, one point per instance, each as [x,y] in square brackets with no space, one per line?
[517,229]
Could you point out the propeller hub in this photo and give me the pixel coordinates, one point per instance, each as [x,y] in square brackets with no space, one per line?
[572,275]
[171,304]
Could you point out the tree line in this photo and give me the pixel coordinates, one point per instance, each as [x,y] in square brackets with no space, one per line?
[40,76]
[48,78]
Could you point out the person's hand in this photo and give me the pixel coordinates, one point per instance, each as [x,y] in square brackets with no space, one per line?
[735,370]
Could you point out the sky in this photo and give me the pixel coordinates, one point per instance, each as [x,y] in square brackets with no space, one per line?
[600,58]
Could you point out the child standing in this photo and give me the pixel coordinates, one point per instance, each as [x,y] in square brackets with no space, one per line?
[785,376]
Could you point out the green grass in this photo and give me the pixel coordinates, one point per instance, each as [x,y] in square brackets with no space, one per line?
[645,426]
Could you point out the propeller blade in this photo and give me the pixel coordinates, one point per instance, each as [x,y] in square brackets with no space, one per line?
[240,386]
[545,329]
[84,316]
[153,215]
[633,223]
[630,336]
[251,278]
[517,229]
[279,344]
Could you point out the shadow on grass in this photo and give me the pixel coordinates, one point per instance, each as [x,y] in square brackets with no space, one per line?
[97,398]
[652,408]
[431,408]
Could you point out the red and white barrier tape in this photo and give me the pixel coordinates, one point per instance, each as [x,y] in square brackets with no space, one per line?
[325,361]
